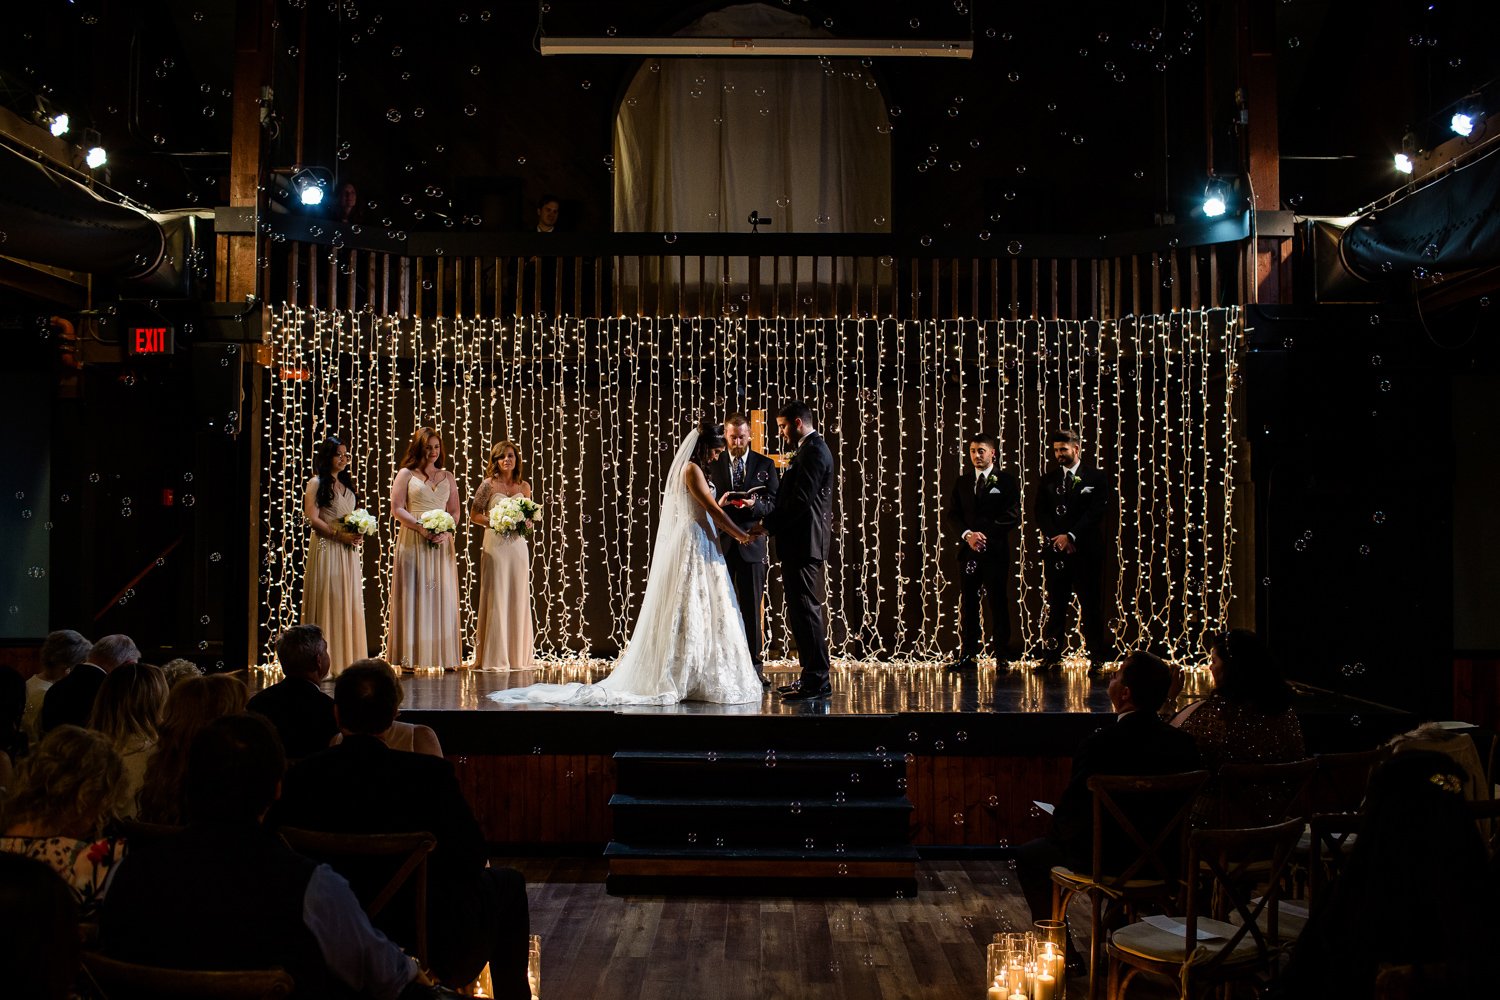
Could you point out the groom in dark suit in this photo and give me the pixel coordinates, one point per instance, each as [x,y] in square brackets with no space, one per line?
[800,520]
[739,469]
[983,509]
[1071,502]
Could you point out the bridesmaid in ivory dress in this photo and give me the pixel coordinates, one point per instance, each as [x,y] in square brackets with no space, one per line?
[333,586]
[504,640]
[424,629]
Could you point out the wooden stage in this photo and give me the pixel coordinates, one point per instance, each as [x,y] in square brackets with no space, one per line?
[971,750]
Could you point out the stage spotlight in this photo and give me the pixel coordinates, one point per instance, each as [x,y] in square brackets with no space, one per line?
[1215,199]
[59,124]
[1404,164]
[96,157]
[1462,123]
[307,187]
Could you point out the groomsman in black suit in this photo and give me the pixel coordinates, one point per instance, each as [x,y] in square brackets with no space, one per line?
[1071,502]
[737,470]
[800,520]
[982,510]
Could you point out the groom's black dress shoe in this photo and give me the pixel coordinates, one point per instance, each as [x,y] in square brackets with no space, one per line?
[808,694]
[962,663]
[788,688]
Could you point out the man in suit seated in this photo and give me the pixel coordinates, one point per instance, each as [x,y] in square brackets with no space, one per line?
[296,706]
[224,893]
[1137,743]
[70,701]
[476,914]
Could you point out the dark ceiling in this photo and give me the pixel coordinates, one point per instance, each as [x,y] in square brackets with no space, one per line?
[1072,116]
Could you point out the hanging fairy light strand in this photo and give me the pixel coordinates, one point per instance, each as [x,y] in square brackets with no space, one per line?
[598,406]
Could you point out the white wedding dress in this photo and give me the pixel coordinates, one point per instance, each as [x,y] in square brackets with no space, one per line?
[689,640]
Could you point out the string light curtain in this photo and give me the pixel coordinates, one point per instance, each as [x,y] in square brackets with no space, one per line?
[598,406]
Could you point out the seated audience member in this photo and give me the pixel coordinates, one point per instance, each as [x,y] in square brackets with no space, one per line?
[39,940]
[65,791]
[70,700]
[1248,719]
[179,670]
[61,651]
[1410,892]
[300,711]
[403,735]
[226,894]
[475,913]
[1138,743]
[12,736]
[190,707]
[128,711]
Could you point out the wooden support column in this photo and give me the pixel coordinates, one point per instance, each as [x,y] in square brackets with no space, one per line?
[239,275]
[1256,30]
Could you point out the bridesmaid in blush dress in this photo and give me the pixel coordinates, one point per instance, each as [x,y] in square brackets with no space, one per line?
[333,584]
[424,628]
[505,638]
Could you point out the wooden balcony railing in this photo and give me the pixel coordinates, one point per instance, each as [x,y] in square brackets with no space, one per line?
[318,263]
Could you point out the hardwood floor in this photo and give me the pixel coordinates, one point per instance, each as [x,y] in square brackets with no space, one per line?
[931,947]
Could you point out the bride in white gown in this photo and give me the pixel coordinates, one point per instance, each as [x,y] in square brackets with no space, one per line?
[689,641]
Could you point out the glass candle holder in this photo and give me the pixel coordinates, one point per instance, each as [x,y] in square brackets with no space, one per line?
[1010,966]
[1050,981]
[534,966]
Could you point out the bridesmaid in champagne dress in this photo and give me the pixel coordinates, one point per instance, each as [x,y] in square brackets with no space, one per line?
[504,641]
[333,585]
[424,628]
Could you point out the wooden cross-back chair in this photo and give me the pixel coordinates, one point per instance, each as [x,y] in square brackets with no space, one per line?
[1240,872]
[117,980]
[408,851]
[1154,873]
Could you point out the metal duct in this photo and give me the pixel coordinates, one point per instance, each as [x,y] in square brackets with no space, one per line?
[51,219]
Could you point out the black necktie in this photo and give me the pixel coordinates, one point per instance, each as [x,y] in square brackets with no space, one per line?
[978,484]
[737,474]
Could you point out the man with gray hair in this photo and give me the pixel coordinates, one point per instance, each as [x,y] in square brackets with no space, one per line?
[296,705]
[61,651]
[70,700]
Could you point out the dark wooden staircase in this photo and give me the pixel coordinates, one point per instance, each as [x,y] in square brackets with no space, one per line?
[761,823]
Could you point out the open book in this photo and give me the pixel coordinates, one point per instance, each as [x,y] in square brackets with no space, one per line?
[747,496]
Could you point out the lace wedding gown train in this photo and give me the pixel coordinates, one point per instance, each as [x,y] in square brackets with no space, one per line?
[689,640]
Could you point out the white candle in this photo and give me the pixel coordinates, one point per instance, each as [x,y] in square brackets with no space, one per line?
[1018,996]
[995,993]
[1044,987]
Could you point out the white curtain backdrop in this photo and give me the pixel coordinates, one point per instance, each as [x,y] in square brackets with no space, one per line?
[701,143]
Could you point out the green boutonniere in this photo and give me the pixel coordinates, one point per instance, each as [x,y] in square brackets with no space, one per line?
[1072,479]
[990,480]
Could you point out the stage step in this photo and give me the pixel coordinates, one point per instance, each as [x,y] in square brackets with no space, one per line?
[761,822]
[789,774]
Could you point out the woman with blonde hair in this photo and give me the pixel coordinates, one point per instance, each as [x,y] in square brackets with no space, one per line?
[423,629]
[191,706]
[65,791]
[128,710]
[505,637]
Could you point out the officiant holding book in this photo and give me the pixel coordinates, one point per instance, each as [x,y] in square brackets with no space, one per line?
[739,470]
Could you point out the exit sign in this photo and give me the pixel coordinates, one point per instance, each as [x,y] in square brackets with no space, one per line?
[149,339]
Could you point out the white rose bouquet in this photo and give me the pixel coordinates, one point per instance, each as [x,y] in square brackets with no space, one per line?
[515,516]
[361,522]
[438,522]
